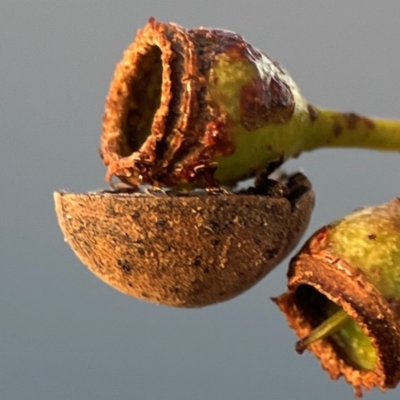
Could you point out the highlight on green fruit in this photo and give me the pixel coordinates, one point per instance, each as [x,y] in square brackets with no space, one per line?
[203,107]
[343,297]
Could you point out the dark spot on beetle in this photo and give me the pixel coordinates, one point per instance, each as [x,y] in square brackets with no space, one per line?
[214,225]
[263,102]
[215,242]
[337,129]
[174,289]
[130,284]
[257,241]
[269,254]
[197,261]
[144,294]
[111,211]
[124,265]
[221,294]
[162,223]
[135,215]
[141,251]
[269,148]
[372,236]
[312,112]
[206,270]
[86,244]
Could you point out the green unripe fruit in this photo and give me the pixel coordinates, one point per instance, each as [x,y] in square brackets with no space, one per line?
[344,297]
[353,341]
[203,107]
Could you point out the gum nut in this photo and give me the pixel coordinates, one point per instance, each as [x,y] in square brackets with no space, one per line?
[205,107]
[200,106]
[187,250]
[343,297]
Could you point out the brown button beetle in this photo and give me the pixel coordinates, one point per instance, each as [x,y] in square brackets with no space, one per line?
[186,250]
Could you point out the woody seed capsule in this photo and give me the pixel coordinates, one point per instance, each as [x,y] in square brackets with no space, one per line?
[203,107]
[343,297]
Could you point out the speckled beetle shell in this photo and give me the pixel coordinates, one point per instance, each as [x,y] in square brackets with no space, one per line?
[185,251]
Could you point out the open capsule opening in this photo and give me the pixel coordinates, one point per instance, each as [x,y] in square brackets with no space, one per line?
[144,98]
[331,322]
[146,128]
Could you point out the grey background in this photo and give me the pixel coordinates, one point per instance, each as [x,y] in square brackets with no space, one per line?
[66,335]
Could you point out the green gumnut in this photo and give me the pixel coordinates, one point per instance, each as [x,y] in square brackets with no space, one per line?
[343,297]
[369,239]
[204,107]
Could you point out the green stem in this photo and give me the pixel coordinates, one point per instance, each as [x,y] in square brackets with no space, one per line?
[256,149]
[327,328]
[337,129]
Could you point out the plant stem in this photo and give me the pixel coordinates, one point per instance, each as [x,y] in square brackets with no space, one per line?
[337,129]
[328,327]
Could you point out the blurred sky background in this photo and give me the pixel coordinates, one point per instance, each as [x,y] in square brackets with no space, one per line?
[66,335]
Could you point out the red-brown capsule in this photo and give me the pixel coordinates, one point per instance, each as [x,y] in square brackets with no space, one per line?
[203,107]
[185,106]
[351,266]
